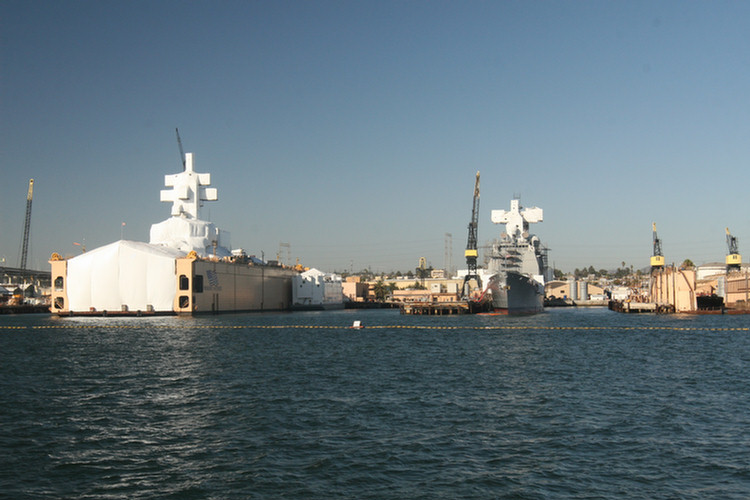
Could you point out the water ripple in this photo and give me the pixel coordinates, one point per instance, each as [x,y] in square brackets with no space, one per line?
[225,407]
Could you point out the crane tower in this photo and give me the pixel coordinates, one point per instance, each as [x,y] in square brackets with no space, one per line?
[27,226]
[471,252]
[657,258]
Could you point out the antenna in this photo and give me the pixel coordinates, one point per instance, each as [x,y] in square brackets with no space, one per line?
[448,257]
[179,145]
[288,252]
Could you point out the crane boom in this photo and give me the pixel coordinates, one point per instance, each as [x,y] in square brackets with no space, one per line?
[731,242]
[179,145]
[734,259]
[471,244]
[27,225]
[657,258]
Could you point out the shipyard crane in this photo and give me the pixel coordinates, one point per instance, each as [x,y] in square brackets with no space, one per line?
[179,145]
[657,258]
[734,259]
[27,226]
[471,252]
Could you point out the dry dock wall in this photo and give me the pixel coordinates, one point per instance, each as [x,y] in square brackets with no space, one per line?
[676,287]
[210,287]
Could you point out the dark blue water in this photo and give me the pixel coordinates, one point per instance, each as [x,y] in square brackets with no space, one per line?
[568,404]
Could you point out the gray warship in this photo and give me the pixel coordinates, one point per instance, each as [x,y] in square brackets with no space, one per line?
[517,263]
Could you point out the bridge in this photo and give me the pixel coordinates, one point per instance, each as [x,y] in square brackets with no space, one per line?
[16,275]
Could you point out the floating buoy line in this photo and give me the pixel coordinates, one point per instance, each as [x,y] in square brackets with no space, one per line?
[358,325]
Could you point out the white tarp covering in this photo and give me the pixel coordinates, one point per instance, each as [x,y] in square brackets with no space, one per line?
[191,234]
[314,287]
[129,273]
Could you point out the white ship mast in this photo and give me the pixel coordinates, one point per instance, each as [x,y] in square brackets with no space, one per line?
[185,230]
[188,191]
[517,220]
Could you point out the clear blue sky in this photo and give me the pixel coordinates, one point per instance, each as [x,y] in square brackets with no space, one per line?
[353,130]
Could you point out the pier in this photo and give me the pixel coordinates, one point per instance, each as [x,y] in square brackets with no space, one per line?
[640,307]
[444,308]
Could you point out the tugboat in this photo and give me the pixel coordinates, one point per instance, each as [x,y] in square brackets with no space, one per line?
[517,263]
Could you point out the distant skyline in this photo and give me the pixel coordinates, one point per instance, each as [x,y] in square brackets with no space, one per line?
[352,131]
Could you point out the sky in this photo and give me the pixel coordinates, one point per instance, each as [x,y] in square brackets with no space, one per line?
[352,131]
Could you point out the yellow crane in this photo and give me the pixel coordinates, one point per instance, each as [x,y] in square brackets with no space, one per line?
[471,252]
[657,259]
[734,259]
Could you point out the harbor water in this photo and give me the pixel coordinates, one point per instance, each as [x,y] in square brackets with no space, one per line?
[566,404]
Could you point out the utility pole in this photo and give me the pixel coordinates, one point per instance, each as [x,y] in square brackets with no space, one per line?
[448,257]
[288,252]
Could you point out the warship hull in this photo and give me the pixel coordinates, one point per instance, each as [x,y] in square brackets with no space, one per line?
[516,294]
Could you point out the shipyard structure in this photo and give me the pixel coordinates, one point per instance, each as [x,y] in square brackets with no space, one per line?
[513,283]
[185,268]
[713,288]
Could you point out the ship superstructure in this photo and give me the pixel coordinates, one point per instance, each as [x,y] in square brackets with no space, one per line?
[185,230]
[317,290]
[517,262]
